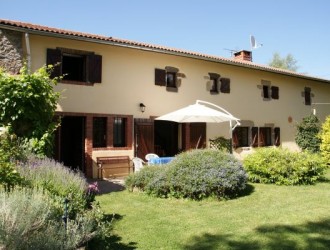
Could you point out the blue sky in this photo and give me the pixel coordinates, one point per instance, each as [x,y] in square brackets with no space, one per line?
[299,27]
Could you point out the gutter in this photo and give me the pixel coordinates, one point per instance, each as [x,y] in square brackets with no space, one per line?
[28,51]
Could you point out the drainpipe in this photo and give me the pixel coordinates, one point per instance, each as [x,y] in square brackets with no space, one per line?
[28,52]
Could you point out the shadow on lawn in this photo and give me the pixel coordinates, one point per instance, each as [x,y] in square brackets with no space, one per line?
[113,241]
[312,235]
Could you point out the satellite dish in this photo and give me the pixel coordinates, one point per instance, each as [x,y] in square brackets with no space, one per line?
[254,44]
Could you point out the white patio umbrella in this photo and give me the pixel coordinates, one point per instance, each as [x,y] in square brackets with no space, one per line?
[198,112]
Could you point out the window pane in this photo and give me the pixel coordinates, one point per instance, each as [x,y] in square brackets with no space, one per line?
[73,67]
[308,96]
[170,79]
[119,136]
[99,132]
[265,90]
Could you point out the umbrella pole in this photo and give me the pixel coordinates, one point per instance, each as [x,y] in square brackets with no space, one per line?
[230,137]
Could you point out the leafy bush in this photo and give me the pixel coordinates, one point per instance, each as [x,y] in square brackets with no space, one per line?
[10,152]
[28,221]
[28,103]
[307,134]
[196,174]
[283,167]
[59,181]
[325,140]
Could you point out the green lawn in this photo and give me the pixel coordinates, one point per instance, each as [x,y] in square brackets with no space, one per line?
[269,217]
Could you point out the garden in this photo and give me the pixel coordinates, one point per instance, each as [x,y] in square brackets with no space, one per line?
[203,199]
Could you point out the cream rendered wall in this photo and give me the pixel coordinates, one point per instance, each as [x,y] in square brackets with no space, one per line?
[128,79]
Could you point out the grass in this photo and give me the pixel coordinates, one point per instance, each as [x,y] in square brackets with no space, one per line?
[268,217]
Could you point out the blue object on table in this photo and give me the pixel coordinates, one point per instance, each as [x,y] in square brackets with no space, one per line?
[160,160]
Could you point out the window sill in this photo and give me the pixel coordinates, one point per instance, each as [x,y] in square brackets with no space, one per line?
[77,83]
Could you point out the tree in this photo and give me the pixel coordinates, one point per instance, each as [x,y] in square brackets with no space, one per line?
[288,62]
[307,134]
[27,106]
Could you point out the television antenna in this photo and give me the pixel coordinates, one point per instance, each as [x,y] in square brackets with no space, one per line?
[232,51]
[254,44]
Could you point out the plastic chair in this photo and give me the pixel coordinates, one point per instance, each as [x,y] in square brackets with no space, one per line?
[138,164]
[151,156]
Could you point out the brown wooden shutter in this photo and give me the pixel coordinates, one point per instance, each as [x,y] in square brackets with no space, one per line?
[54,57]
[94,68]
[255,139]
[275,91]
[160,77]
[225,85]
[277,136]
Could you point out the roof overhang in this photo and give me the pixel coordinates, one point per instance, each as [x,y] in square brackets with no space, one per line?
[72,35]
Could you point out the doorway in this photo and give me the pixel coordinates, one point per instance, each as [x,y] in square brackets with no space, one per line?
[70,139]
[159,137]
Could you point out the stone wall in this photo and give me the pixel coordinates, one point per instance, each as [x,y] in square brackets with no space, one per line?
[11,51]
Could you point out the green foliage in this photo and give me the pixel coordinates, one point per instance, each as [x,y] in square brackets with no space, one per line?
[288,62]
[283,167]
[58,181]
[28,221]
[221,143]
[10,152]
[196,174]
[27,106]
[307,134]
[325,140]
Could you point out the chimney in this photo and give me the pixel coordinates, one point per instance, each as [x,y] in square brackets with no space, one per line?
[243,55]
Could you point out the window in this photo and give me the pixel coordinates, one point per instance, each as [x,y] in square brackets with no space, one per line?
[241,137]
[268,91]
[262,136]
[99,132]
[76,66]
[73,67]
[307,94]
[171,79]
[119,132]
[225,85]
[214,78]
[167,77]
[265,91]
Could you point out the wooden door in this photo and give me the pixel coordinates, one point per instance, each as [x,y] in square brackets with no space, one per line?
[143,137]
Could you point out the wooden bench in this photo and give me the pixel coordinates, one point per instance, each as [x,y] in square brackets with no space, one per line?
[113,166]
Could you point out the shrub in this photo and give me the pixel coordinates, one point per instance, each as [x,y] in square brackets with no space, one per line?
[283,167]
[325,140]
[196,174]
[59,181]
[28,103]
[10,152]
[307,134]
[28,221]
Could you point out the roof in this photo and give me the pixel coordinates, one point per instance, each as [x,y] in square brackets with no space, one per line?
[49,31]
